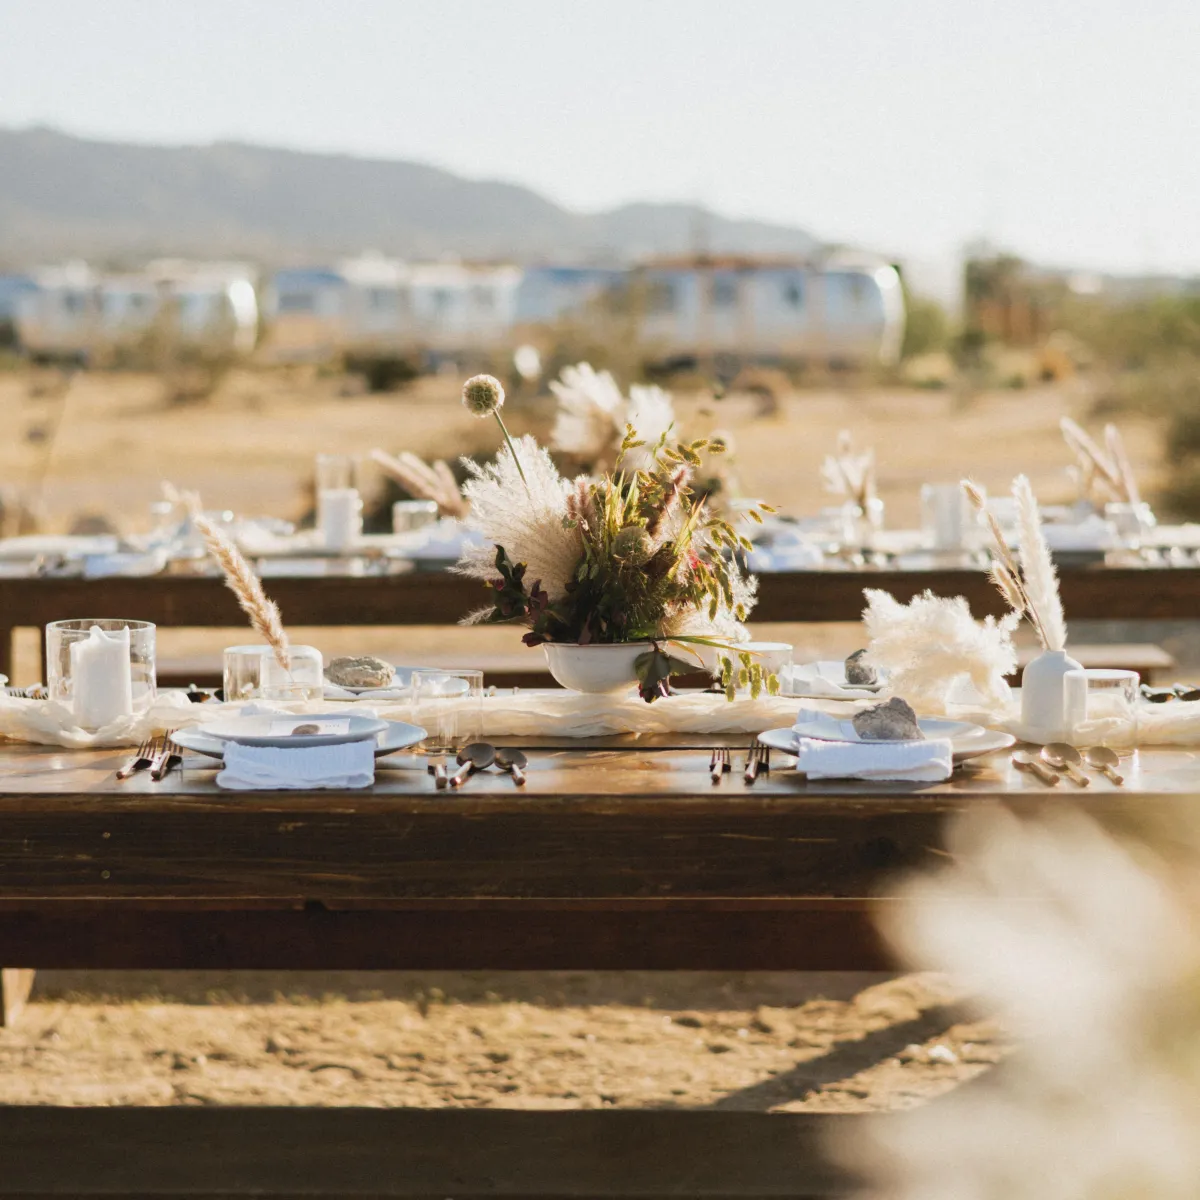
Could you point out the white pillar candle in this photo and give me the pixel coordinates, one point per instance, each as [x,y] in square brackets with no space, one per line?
[101,678]
[339,517]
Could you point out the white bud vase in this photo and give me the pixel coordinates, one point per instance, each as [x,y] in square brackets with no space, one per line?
[1046,710]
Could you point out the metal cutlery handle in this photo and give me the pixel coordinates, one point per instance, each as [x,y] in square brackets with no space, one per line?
[1043,772]
[460,776]
[1076,776]
[517,774]
[163,763]
[1119,780]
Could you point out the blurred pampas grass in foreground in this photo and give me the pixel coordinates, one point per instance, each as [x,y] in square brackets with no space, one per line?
[1088,947]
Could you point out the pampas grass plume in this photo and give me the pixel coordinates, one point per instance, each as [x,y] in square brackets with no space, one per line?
[247,587]
[1039,578]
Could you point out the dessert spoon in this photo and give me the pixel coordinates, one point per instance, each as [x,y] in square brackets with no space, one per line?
[514,762]
[1066,758]
[477,756]
[1024,761]
[1101,758]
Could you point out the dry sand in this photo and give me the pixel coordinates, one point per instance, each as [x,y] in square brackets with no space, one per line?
[782,1042]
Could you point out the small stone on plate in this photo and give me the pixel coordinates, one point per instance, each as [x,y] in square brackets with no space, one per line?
[360,671]
[894,721]
[859,672]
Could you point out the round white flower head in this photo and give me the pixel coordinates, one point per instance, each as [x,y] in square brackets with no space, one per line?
[483,395]
[633,544]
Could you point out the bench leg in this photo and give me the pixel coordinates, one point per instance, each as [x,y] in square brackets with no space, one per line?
[15,985]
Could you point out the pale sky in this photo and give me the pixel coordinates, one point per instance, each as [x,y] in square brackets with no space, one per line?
[1066,131]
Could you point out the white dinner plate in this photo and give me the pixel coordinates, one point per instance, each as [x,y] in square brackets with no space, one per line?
[396,736]
[986,741]
[268,729]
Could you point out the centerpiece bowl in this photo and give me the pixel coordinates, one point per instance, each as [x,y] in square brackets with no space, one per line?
[597,669]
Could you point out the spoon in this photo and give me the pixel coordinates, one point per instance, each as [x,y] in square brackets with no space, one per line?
[1065,758]
[1024,761]
[477,756]
[512,761]
[1101,758]
[437,768]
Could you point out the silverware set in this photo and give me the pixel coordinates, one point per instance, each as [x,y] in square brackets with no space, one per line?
[758,760]
[158,755]
[1058,759]
[478,756]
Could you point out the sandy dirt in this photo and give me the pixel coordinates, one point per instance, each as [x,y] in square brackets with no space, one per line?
[779,1042]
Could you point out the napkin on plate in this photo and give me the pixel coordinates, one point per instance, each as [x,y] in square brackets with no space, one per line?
[333,692]
[822,680]
[928,761]
[268,768]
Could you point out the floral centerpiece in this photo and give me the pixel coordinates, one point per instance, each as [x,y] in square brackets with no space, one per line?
[633,558]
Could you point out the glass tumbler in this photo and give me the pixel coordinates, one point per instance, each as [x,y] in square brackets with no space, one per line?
[1103,707]
[339,505]
[254,673]
[409,515]
[102,668]
[448,705]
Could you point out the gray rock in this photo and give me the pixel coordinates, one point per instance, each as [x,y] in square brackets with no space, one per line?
[360,671]
[859,672]
[894,721]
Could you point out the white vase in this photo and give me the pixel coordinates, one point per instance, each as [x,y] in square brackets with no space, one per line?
[595,669]
[1047,710]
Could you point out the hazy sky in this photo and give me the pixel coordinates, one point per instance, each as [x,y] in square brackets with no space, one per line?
[1064,130]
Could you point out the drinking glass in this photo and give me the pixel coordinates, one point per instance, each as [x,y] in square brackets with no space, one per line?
[409,515]
[448,705]
[102,668]
[945,516]
[1103,707]
[254,673]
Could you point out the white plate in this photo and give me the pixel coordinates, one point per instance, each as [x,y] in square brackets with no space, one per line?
[986,741]
[262,729]
[827,728]
[396,736]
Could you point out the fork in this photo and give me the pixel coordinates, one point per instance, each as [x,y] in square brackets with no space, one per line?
[719,764]
[35,692]
[142,759]
[169,755]
[758,759]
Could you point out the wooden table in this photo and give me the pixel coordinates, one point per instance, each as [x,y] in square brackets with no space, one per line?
[439,598]
[625,857]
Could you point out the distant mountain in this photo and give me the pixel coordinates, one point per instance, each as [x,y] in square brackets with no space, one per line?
[63,196]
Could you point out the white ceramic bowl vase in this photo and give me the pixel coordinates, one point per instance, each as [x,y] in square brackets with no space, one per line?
[595,669]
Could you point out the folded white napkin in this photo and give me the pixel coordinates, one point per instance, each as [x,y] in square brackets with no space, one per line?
[268,768]
[822,679]
[333,692]
[925,762]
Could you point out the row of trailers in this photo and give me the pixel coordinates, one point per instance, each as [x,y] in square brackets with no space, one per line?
[835,312]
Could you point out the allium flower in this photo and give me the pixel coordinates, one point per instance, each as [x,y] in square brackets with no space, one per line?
[633,544]
[483,395]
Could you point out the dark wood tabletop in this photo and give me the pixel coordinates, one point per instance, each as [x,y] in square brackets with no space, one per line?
[614,858]
[439,598]
[621,856]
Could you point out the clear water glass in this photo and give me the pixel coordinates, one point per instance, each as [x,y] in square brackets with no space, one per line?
[410,515]
[1103,707]
[448,705]
[102,668]
[254,673]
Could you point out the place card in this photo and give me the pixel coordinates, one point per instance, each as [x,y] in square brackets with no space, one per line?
[310,727]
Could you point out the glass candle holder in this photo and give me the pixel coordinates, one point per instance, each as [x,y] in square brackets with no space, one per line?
[339,505]
[254,673]
[1103,705]
[409,515]
[448,705]
[101,668]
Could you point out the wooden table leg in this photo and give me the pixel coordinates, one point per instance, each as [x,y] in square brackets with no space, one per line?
[15,985]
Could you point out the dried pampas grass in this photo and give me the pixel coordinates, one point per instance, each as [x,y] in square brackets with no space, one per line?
[1038,577]
[1030,585]
[849,473]
[929,644]
[1103,474]
[426,481]
[247,587]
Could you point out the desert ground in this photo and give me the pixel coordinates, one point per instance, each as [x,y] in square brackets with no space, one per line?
[100,445]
